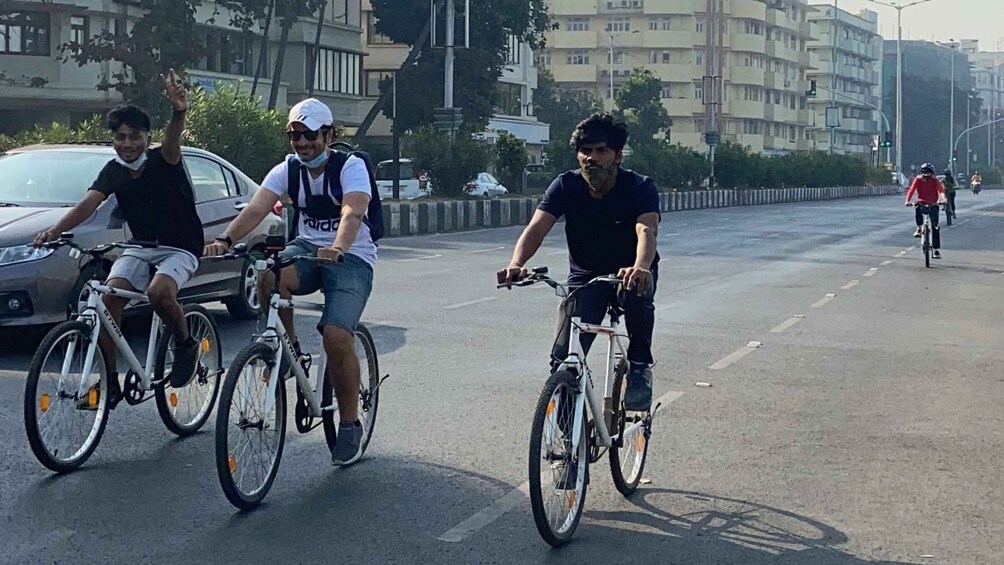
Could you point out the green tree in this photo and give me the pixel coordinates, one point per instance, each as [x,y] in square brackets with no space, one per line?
[562,109]
[639,100]
[451,163]
[420,84]
[511,158]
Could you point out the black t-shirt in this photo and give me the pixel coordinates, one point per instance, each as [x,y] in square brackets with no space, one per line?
[159,205]
[601,233]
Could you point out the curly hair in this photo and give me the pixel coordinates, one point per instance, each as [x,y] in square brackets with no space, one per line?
[600,128]
[130,115]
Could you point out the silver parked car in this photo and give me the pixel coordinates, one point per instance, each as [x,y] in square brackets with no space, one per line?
[39,183]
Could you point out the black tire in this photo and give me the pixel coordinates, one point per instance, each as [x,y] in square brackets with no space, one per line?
[226,461]
[369,395]
[246,305]
[563,383]
[927,249]
[948,213]
[198,396]
[636,444]
[36,402]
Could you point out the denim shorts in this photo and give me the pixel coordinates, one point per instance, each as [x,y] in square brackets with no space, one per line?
[346,286]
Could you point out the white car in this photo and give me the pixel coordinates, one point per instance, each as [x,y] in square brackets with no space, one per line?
[486,186]
[413,184]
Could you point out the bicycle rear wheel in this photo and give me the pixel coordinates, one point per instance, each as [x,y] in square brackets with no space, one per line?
[185,410]
[369,395]
[630,449]
[948,213]
[558,473]
[927,247]
[249,441]
[63,427]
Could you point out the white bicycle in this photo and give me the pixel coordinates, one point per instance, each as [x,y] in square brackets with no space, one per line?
[566,437]
[66,394]
[251,420]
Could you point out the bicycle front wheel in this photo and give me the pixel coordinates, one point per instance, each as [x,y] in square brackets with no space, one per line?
[369,395]
[558,471]
[627,455]
[185,410]
[65,412]
[249,439]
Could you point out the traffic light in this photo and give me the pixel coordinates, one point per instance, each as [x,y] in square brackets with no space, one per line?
[812,88]
[887,140]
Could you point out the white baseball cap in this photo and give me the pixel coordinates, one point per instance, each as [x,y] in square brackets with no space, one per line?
[312,113]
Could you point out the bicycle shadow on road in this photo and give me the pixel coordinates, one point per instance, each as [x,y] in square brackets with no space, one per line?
[707,528]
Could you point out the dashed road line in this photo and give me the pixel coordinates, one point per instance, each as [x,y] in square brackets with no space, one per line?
[735,356]
[871,272]
[486,250]
[850,285]
[787,324]
[471,303]
[422,258]
[884,263]
[824,300]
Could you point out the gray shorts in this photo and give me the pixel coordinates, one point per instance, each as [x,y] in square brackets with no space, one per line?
[346,286]
[135,266]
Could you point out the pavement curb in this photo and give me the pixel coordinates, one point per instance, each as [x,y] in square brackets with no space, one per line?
[417,218]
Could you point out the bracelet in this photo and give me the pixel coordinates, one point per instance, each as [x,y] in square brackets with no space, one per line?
[339,249]
[225,239]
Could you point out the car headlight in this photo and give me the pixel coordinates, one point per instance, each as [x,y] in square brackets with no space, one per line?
[22,253]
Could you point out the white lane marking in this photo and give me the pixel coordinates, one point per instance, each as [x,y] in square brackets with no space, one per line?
[422,258]
[911,248]
[871,272]
[437,272]
[884,263]
[381,323]
[463,232]
[786,324]
[513,498]
[692,253]
[562,252]
[824,300]
[471,303]
[901,253]
[486,250]
[735,356]
[850,285]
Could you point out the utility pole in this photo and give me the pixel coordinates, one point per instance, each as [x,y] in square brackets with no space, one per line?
[833,81]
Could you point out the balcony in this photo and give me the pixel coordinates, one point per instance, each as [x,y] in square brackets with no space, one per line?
[747,43]
[575,73]
[620,7]
[751,9]
[672,39]
[624,39]
[674,7]
[572,40]
[677,72]
[745,109]
[746,75]
[683,107]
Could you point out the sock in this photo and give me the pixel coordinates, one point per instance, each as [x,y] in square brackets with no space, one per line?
[188,342]
[357,424]
[113,379]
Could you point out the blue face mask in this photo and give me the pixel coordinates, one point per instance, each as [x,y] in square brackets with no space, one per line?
[316,162]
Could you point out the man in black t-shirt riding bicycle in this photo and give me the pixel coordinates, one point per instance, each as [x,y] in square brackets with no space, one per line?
[611,222]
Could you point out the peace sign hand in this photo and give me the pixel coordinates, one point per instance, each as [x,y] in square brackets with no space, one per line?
[175,91]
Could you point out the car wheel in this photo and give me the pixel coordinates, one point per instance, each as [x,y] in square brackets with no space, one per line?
[76,299]
[245,305]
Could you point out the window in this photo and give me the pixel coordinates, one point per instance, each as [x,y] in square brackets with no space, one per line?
[373,80]
[700,24]
[666,90]
[621,23]
[653,57]
[699,57]
[577,58]
[577,24]
[666,57]
[508,98]
[336,71]
[515,56]
[699,125]
[699,92]
[754,27]
[345,12]
[228,52]
[372,37]
[543,58]
[25,33]
[619,57]
[653,24]
[207,179]
[667,23]
[78,29]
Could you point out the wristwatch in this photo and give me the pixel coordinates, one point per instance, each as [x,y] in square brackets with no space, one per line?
[225,239]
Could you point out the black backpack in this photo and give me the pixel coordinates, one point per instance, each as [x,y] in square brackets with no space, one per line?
[332,176]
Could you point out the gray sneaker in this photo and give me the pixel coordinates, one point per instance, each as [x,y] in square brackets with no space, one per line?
[638,397]
[348,445]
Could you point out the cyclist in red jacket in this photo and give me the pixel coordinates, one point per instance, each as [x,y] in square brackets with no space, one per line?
[930,192]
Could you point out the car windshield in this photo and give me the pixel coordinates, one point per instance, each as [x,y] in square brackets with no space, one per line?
[35,178]
[385,171]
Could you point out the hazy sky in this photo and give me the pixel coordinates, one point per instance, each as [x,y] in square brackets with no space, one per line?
[940,20]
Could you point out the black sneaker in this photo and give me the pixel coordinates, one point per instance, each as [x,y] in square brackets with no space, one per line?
[348,445]
[114,395]
[186,359]
[917,233]
[936,254]
[638,397]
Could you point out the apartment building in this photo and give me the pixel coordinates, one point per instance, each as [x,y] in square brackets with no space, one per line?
[753,80]
[515,88]
[37,87]
[848,78]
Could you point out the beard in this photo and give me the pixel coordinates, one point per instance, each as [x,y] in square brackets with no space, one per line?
[599,178]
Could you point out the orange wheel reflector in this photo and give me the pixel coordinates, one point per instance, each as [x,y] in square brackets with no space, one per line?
[640,443]
[267,377]
[92,398]
[205,345]
[571,499]
[550,407]
[232,463]
[43,402]
[173,399]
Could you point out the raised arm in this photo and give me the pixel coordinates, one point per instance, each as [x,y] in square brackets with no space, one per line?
[170,148]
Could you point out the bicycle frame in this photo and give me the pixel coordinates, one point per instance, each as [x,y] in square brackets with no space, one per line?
[277,336]
[96,315]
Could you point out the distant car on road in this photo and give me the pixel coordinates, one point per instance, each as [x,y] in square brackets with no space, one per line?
[39,183]
[486,186]
[413,184]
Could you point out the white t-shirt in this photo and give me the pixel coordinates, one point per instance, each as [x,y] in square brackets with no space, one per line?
[354,178]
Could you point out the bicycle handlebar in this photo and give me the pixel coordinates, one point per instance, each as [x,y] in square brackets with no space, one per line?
[99,250]
[273,261]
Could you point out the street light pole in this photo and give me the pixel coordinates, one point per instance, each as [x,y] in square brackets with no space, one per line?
[833,78]
[610,63]
[899,76]
[951,111]
[969,151]
[955,147]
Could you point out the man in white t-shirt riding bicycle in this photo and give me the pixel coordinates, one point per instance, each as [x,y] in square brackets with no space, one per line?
[331,194]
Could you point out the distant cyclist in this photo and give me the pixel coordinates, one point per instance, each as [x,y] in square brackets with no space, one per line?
[930,192]
[950,187]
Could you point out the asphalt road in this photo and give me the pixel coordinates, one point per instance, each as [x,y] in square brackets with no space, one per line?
[865,429]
